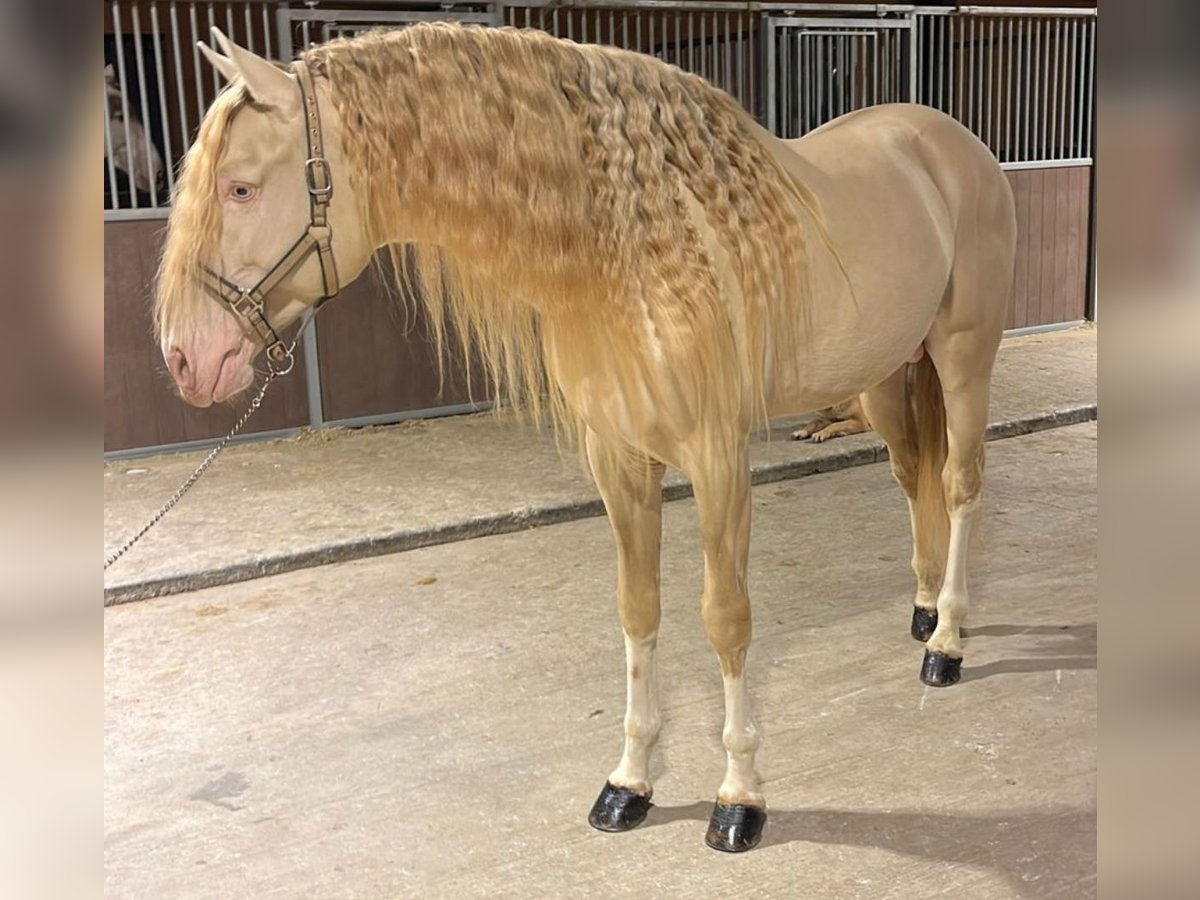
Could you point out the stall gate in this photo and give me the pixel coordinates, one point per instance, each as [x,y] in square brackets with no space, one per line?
[1021,78]
[820,68]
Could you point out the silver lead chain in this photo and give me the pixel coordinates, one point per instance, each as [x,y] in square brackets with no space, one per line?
[272,374]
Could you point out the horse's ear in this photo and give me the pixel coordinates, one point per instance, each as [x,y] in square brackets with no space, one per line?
[220,63]
[268,84]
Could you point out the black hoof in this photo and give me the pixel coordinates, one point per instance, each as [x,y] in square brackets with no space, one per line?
[618,809]
[940,670]
[735,829]
[924,621]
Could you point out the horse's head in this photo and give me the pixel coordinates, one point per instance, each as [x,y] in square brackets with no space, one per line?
[244,200]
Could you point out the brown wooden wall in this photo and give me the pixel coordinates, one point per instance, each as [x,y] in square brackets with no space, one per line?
[141,407]
[1050,283]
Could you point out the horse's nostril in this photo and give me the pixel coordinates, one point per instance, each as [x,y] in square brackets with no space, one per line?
[180,370]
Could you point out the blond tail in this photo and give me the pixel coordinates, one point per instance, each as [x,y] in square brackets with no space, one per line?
[925,429]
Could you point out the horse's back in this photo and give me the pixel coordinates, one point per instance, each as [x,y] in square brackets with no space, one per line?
[905,143]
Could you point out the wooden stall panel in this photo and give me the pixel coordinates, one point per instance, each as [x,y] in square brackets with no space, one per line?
[1050,281]
[141,408]
[376,356]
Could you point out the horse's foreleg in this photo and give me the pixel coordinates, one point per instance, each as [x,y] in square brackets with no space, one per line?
[631,485]
[723,504]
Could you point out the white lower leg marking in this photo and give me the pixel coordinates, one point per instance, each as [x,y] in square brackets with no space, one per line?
[642,720]
[741,740]
[953,600]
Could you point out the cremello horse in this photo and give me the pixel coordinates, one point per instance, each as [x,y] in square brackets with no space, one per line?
[634,256]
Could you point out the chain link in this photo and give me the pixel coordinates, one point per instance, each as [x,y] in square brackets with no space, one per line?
[272,374]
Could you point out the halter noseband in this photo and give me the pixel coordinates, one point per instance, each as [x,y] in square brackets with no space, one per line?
[248,303]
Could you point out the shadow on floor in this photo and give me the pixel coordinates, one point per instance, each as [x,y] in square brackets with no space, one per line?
[1041,853]
[1078,640]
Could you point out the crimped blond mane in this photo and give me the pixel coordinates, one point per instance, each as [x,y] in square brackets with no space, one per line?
[543,187]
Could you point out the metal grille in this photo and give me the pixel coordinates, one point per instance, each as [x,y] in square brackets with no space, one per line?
[819,69]
[717,41]
[157,88]
[305,27]
[1022,80]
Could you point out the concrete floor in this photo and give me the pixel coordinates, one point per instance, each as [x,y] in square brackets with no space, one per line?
[437,723]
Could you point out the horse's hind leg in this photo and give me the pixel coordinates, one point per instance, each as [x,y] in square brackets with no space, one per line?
[963,358]
[886,406]
[631,485]
[721,479]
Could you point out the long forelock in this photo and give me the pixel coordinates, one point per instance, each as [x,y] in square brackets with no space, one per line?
[194,226]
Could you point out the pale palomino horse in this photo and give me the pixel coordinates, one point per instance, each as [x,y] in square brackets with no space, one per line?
[635,258]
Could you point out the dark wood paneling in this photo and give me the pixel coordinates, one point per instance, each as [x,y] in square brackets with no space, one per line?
[376,358]
[1050,277]
[141,407]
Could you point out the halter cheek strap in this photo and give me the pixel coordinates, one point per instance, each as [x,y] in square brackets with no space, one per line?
[249,303]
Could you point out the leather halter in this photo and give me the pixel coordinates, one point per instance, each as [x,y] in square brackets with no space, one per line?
[248,303]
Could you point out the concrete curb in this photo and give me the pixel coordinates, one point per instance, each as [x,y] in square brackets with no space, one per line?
[533,517]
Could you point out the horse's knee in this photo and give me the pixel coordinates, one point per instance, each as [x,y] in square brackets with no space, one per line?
[728,627]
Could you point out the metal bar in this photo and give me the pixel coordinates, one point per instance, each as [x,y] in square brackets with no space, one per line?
[122,83]
[987,100]
[1072,86]
[912,40]
[142,213]
[1008,93]
[1055,111]
[1090,84]
[972,79]
[249,25]
[1021,128]
[772,48]
[1044,111]
[199,80]
[877,64]
[1035,113]
[741,60]
[183,128]
[169,161]
[229,24]
[703,46]
[216,78]
[625,30]
[1019,165]
[583,28]
[854,42]
[751,34]
[266,31]
[781,61]
[110,157]
[1026,11]
[873,24]
[725,49]
[140,62]
[956,55]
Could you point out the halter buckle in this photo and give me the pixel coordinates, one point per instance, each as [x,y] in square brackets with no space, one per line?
[311,168]
[246,306]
